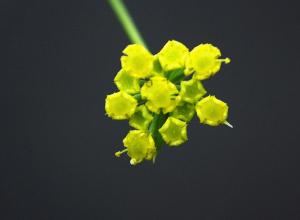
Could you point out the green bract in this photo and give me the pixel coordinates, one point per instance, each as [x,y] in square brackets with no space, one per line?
[160,94]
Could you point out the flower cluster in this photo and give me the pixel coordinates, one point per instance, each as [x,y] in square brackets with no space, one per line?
[159,94]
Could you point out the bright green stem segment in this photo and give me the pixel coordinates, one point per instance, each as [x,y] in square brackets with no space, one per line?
[127,22]
[157,122]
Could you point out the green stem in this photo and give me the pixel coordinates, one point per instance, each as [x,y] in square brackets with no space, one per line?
[127,22]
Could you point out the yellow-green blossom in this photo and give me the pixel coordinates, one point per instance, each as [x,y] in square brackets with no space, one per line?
[140,145]
[160,94]
[204,61]
[120,105]
[191,90]
[212,111]
[174,131]
[184,111]
[141,118]
[126,82]
[137,61]
[173,55]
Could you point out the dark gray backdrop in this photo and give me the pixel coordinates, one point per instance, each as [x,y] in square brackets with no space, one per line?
[56,159]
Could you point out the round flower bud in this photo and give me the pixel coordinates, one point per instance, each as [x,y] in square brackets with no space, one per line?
[126,82]
[204,61]
[160,94]
[141,119]
[173,55]
[184,111]
[137,61]
[174,131]
[140,145]
[191,90]
[212,111]
[120,105]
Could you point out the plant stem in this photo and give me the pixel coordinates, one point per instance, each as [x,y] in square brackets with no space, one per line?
[127,22]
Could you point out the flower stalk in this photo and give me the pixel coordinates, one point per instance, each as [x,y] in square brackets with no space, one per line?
[127,22]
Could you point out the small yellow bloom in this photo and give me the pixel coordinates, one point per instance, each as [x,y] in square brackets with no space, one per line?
[120,105]
[141,118]
[212,111]
[140,145]
[126,82]
[137,61]
[160,94]
[173,55]
[191,90]
[184,111]
[204,61]
[174,131]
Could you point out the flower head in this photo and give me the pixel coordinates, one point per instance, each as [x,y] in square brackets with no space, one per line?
[212,111]
[173,131]
[126,82]
[141,118]
[137,61]
[120,105]
[191,90]
[173,55]
[204,61]
[140,145]
[160,94]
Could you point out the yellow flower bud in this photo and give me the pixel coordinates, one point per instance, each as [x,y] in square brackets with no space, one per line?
[140,145]
[184,111]
[204,61]
[120,105]
[137,61]
[141,118]
[173,55]
[212,111]
[160,94]
[126,82]
[174,131]
[191,90]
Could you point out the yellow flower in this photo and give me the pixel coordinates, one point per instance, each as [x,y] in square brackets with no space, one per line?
[212,111]
[173,131]
[184,111]
[120,105]
[141,118]
[140,145]
[173,55]
[160,94]
[204,61]
[191,90]
[127,83]
[138,62]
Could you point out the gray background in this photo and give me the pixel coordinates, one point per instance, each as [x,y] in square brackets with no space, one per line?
[57,147]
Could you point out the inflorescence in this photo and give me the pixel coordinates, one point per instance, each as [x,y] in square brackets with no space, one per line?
[159,94]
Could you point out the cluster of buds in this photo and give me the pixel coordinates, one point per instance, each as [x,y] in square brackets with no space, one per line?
[159,94]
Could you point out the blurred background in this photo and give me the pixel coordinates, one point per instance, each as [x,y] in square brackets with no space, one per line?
[57,160]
